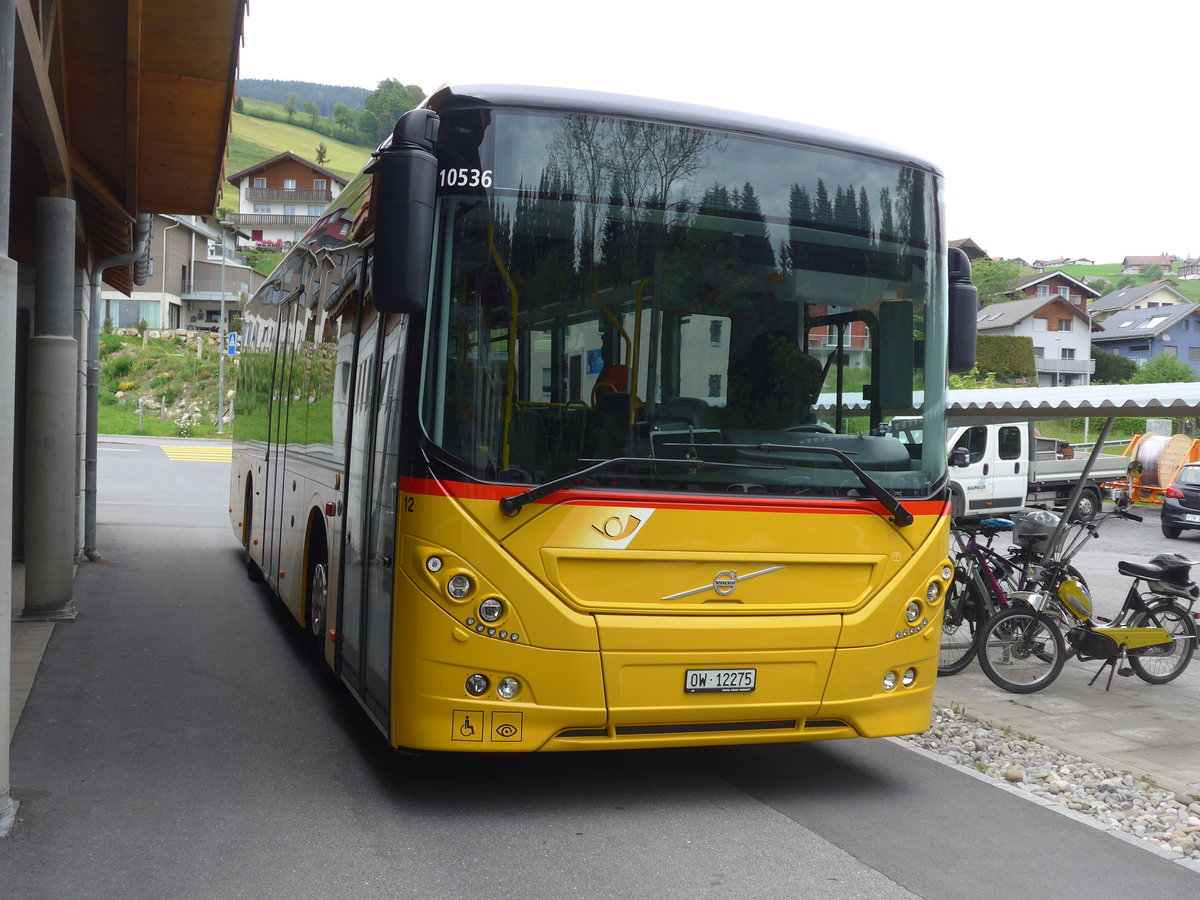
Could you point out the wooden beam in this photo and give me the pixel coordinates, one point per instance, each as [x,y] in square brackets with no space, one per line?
[38,102]
[133,88]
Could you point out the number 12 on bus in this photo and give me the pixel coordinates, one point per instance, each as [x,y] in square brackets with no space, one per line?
[565,427]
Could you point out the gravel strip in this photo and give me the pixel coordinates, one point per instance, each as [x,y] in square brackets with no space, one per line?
[1116,800]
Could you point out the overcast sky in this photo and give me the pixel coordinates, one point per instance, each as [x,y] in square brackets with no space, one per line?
[1064,128]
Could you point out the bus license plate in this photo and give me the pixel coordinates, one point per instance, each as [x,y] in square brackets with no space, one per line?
[718,681]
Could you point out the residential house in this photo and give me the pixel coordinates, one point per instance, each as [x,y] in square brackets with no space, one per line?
[1142,334]
[1042,264]
[1060,330]
[1054,284]
[969,247]
[1189,269]
[193,264]
[281,198]
[1133,265]
[1146,296]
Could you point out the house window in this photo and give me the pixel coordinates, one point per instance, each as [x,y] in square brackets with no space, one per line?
[289,184]
[1064,292]
[262,207]
[1172,352]
[1064,324]
[714,385]
[260,182]
[1068,353]
[714,332]
[318,184]
[289,209]
[1043,290]
[1138,348]
[1193,354]
[1039,352]
[314,209]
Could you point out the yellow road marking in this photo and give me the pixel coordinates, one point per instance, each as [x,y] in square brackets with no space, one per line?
[198,453]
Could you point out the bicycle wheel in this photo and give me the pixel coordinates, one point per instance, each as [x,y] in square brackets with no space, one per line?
[960,623]
[1164,662]
[1021,650]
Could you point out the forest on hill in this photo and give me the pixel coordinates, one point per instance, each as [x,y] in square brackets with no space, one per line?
[325,96]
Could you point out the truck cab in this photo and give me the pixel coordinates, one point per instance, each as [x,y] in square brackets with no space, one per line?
[996,476]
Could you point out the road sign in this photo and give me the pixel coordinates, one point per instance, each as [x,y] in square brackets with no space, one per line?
[232,348]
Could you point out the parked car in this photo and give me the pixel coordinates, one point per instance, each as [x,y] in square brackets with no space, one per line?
[1181,502]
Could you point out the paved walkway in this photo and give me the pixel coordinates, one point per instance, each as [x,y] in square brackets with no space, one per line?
[1149,730]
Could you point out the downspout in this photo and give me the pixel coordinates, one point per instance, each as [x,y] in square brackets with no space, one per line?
[143,231]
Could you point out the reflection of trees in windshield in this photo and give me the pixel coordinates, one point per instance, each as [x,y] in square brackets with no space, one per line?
[631,298]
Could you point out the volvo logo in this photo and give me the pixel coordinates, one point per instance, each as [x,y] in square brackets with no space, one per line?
[724,583]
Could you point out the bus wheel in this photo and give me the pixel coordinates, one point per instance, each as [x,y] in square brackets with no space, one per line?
[318,595]
[253,572]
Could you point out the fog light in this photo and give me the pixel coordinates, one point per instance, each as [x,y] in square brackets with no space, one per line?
[477,685]
[912,612]
[889,681]
[947,573]
[508,688]
[491,609]
[933,592]
[459,586]
[910,675]
[434,564]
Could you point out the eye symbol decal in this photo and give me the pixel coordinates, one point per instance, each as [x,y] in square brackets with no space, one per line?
[506,730]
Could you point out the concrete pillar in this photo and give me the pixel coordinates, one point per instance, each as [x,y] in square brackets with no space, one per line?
[52,408]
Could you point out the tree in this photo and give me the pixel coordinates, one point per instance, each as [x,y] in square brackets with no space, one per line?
[313,110]
[1164,369]
[993,278]
[368,126]
[343,117]
[322,153]
[239,105]
[290,107]
[1152,273]
[1112,368]
[389,101]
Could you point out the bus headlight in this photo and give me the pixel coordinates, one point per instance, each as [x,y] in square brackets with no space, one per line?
[947,573]
[459,586]
[912,612]
[933,592]
[889,681]
[910,675]
[434,564]
[508,688]
[477,685]
[491,609]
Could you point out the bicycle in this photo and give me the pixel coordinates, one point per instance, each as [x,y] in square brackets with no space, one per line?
[987,582]
[1023,649]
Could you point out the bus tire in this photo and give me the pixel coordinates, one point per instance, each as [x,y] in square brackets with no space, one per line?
[253,572]
[316,593]
[958,505]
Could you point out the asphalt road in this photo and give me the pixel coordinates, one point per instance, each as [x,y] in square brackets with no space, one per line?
[180,743]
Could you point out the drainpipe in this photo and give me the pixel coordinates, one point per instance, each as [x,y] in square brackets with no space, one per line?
[143,231]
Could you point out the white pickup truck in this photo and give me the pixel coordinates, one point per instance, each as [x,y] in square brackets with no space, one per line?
[1008,468]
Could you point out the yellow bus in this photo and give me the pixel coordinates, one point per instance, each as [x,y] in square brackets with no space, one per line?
[565,427]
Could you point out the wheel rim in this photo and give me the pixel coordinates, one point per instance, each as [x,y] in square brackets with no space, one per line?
[1164,659]
[1022,647]
[318,597]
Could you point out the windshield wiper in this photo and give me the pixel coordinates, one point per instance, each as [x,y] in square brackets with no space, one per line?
[878,491]
[512,505]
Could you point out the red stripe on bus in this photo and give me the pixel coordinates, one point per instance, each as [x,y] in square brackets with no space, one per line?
[597,497]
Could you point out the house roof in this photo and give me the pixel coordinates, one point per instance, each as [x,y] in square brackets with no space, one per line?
[968,246]
[1009,313]
[1030,280]
[1135,323]
[1148,260]
[123,107]
[288,155]
[1129,296]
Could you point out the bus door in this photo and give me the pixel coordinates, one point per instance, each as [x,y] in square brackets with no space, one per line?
[276,496]
[371,512]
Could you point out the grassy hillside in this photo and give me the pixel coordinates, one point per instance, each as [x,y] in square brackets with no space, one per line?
[255,140]
[1112,272]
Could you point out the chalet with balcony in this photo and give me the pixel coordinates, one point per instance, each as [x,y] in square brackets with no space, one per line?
[281,198]
[1146,296]
[1061,333]
[1044,285]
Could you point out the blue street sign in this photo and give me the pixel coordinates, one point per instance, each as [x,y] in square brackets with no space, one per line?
[231,350]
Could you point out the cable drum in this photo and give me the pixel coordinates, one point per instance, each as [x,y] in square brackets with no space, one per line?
[1161,456]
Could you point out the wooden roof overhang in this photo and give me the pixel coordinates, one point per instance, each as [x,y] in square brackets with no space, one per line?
[123,106]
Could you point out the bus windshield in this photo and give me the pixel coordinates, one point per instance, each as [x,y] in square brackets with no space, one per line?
[610,288]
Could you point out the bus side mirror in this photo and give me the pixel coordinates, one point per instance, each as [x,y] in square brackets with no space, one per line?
[963,313]
[403,193]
